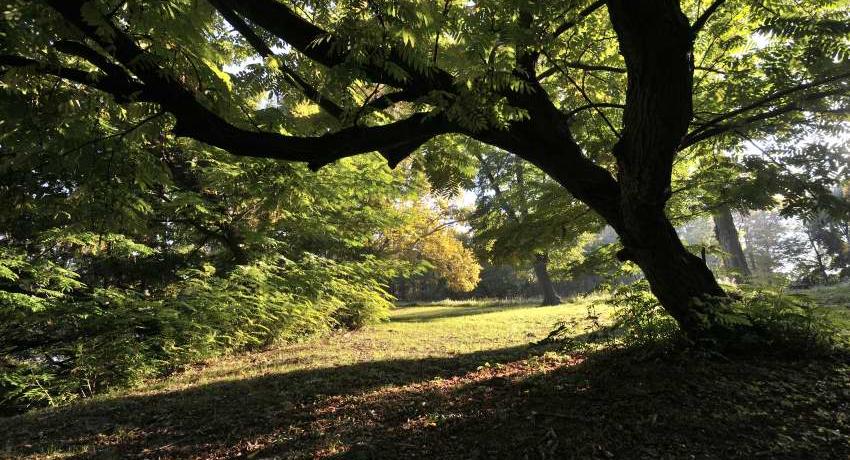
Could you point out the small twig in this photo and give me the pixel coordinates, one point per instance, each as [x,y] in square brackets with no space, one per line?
[584,95]
[704,17]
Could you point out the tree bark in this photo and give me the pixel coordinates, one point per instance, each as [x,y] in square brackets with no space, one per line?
[681,281]
[818,258]
[727,235]
[656,43]
[541,271]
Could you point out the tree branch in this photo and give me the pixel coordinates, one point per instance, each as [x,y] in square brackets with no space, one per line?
[715,126]
[581,15]
[325,48]
[774,96]
[98,60]
[594,106]
[699,24]
[395,140]
[265,51]
[796,106]
[123,89]
[590,103]
[579,65]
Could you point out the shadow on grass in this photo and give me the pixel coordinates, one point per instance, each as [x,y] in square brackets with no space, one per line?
[454,311]
[609,406]
[205,419]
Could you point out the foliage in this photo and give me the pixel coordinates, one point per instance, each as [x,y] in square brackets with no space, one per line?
[126,253]
[763,318]
[553,82]
[521,212]
[787,322]
[88,341]
[429,241]
[117,202]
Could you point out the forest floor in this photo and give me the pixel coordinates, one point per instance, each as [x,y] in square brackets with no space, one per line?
[460,381]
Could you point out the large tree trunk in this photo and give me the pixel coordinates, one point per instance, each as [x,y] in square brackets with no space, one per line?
[680,280]
[547,289]
[655,41]
[727,235]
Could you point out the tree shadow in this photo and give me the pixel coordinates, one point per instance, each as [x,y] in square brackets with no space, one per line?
[614,405]
[205,419]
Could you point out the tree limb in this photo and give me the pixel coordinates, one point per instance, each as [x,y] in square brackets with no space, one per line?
[594,106]
[715,126]
[265,51]
[796,106]
[396,140]
[581,15]
[325,48]
[699,24]
[774,96]
[581,66]
[123,89]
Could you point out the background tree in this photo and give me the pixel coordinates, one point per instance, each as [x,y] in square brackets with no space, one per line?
[522,216]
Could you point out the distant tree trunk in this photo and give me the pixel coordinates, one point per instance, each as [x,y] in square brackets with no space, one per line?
[727,235]
[819,259]
[547,289]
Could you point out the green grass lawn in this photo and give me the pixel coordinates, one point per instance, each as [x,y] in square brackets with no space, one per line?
[458,381]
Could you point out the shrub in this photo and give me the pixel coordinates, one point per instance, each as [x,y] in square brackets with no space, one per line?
[78,342]
[757,318]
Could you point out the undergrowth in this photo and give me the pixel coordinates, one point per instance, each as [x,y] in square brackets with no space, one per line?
[78,344]
[765,319]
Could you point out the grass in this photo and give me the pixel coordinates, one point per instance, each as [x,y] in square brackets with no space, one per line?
[835,296]
[835,300]
[458,381]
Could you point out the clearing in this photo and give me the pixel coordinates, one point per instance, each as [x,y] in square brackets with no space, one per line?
[458,381]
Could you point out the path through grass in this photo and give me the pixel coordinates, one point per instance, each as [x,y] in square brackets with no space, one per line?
[457,381]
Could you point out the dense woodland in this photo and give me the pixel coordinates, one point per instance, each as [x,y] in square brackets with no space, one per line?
[182,180]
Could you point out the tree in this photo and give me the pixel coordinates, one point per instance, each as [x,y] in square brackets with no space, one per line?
[426,238]
[522,216]
[727,235]
[125,253]
[541,80]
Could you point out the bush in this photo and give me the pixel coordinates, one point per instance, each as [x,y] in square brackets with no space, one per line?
[759,318]
[78,342]
[787,322]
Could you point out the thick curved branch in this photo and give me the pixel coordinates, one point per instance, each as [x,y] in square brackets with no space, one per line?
[325,48]
[265,51]
[193,119]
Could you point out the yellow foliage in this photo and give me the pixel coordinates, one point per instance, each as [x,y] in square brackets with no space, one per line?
[426,237]
[305,109]
[451,260]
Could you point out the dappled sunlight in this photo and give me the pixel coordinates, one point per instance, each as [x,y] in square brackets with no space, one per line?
[194,419]
[227,227]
